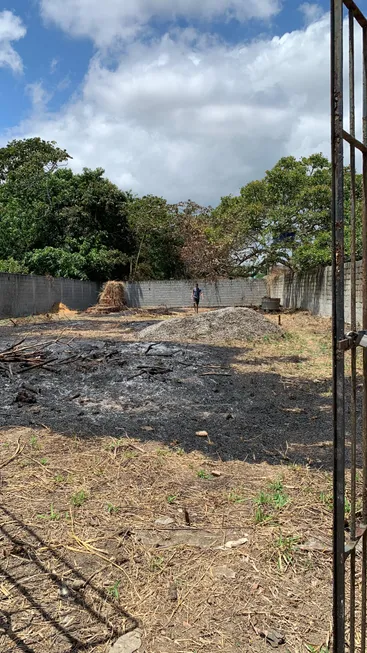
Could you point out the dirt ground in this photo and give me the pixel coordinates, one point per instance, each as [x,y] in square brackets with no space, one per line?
[117,514]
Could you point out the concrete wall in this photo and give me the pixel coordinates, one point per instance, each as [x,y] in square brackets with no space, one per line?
[177,294]
[312,291]
[22,294]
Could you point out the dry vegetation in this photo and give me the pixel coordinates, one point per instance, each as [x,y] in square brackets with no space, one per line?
[99,534]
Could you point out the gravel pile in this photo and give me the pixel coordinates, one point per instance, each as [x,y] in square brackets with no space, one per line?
[215,326]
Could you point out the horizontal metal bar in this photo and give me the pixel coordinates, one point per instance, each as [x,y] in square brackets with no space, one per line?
[354,141]
[360,18]
[351,544]
[344,345]
[352,340]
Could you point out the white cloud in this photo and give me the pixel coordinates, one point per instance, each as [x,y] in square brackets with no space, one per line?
[111,19]
[311,11]
[53,65]
[11,29]
[39,97]
[186,117]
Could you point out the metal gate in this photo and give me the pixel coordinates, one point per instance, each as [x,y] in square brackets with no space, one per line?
[349,578]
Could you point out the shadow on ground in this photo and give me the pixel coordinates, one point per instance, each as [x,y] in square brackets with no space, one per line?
[60,604]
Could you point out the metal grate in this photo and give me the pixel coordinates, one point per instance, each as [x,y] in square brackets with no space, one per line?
[349,621]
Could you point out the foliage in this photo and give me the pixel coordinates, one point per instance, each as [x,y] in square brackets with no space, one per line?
[275,217]
[203,254]
[12,266]
[56,222]
[22,160]
[56,262]
[157,239]
[286,217]
[59,223]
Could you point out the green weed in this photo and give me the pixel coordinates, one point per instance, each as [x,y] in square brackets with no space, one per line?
[112,446]
[44,461]
[267,503]
[236,496]
[280,498]
[60,478]
[286,546]
[129,454]
[113,590]
[111,509]
[79,498]
[53,515]
[34,442]
[171,498]
[205,475]
[163,452]
[156,564]
[326,499]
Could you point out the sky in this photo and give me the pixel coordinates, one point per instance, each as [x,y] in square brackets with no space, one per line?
[184,99]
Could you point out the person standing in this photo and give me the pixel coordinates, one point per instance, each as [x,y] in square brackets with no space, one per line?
[196,295]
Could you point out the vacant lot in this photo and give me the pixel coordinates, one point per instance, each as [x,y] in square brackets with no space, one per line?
[117,515]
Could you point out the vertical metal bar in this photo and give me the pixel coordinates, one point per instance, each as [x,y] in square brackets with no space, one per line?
[364,311]
[338,322]
[353,320]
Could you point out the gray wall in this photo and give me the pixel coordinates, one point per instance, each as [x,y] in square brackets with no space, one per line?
[177,294]
[22,294]
[312,291]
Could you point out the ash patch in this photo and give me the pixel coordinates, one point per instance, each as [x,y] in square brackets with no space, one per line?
[161,391]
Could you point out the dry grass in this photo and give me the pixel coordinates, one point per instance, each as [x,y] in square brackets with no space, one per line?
[303,352]
[62,310]
[83,516]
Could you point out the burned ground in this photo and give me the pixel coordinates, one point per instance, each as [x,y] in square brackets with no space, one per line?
[96,386]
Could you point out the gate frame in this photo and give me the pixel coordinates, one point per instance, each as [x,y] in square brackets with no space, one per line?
[343,549]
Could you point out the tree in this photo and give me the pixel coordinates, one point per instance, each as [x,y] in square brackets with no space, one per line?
[157,240]
[56,262]
[203,253]
[26,167]
[284,218]
[53,221]
[30,157]
[12,266]
[57,222]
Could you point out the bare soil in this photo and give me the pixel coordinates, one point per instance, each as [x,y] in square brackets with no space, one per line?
[115,513]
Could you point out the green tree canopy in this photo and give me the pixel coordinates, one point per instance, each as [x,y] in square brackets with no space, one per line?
[53,221]
[285,218]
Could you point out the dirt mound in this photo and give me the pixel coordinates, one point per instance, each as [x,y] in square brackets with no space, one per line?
[224,324]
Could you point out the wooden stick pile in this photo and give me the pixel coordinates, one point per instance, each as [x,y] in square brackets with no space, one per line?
[25,357]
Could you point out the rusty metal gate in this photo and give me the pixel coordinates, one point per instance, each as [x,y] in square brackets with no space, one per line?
[349,45]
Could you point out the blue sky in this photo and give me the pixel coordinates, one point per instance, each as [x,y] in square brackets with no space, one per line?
[132,88]
[41,46]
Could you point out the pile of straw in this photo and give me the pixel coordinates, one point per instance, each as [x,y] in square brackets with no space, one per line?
[61,309]
[112,298]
